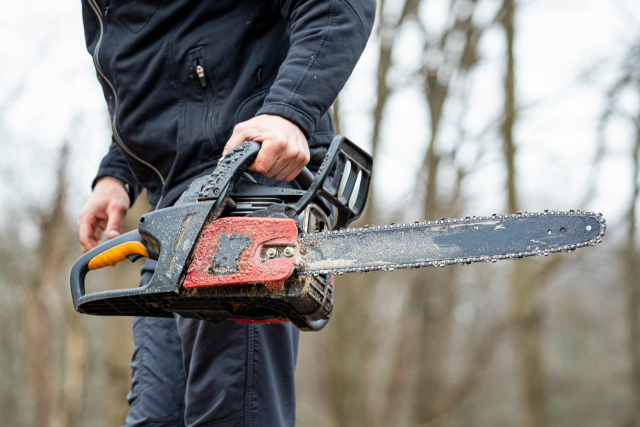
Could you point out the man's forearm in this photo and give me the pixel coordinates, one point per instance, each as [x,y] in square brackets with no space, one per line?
[327,39]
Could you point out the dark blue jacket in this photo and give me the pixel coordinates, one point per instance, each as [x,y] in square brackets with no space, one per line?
[179,75]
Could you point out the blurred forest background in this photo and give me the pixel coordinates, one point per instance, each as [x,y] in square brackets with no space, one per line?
[469,107]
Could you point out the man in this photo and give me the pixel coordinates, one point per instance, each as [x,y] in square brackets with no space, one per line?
[185,82]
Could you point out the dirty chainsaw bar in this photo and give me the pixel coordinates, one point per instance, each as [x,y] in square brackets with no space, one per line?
[231,249]
[448,242]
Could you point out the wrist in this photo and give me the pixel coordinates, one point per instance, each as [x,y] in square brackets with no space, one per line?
[113,182]
[291,114]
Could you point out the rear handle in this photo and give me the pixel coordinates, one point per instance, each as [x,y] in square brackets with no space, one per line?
[130,246]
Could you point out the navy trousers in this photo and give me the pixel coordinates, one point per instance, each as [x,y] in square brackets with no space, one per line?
[192,373]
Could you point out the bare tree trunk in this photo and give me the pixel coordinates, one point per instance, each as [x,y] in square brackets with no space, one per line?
[509,106]
[43,310]
[455,393]
[528,337]
[74,370]
[401,366]
[350,332]
[346,351]
[434,301]
[387,34]
[433,296]
[335,109]
[529,346]
[631,273]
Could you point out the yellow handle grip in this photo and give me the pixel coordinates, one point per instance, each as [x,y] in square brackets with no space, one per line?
[116,254]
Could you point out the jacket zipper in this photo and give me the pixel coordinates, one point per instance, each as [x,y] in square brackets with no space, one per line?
[116,135]
[209,125]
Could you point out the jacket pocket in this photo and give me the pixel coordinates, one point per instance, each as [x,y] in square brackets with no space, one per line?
[135,15]
[198,65]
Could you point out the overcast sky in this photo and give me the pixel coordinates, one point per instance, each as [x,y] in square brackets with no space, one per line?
[49,94]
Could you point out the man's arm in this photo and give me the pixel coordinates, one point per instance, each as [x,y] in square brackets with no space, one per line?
[114,190]
[327,39]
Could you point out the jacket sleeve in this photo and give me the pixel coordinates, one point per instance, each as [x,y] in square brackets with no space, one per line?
[115,165]
[327,39]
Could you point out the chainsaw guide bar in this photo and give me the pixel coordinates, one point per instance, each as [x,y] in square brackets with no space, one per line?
[231,249]
[449,242]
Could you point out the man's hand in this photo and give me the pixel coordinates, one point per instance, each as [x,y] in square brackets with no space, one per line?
[105,210]
[284,152]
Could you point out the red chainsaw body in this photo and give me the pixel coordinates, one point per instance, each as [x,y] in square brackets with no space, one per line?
[231,252]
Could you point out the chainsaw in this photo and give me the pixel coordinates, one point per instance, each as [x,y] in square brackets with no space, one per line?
[232,250]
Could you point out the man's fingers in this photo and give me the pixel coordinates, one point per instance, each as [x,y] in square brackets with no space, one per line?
[294,173]
[285,171]
[296,160]
[98,229]
[284,150]
[116,214]
[105,210]
[237,138]
[266,159]
[86,231]
[279,172]
[281,168]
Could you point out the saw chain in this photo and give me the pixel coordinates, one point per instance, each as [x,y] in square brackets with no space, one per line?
[594,231]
